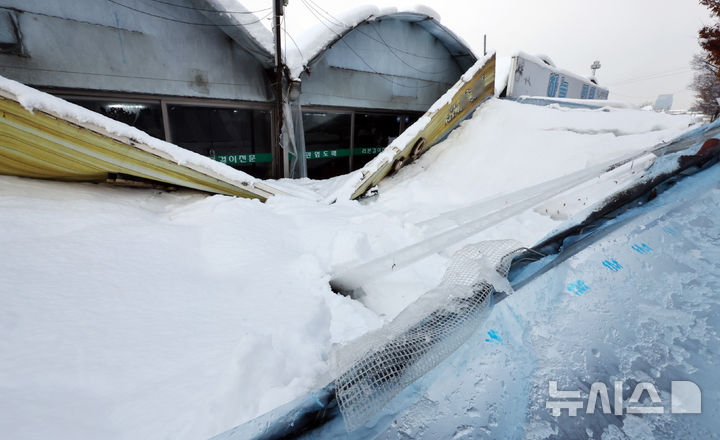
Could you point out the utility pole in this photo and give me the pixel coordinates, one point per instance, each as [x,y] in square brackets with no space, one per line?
[484,44]
[276,146]
[595,66]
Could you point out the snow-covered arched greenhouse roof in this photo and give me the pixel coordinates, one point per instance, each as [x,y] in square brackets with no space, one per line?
[240,24]
[313,43]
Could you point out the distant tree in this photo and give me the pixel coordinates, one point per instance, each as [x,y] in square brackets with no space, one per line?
[710,35]
[706,86]
[706,82]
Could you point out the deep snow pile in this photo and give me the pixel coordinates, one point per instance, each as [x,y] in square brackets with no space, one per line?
[507,146]
[138,314]
[141,314]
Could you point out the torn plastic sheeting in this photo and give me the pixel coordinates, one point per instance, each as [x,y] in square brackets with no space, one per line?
[377,366]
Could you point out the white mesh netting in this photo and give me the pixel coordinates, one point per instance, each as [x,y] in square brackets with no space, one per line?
[376,367]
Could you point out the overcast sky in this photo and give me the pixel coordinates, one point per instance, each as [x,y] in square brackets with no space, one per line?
[644,46]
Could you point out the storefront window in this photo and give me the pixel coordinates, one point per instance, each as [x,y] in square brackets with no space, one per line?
[409,120]
[374,132]
[238,137]
[144,116]
[327,144]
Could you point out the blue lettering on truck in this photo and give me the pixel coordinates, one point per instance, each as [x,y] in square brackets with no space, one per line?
[563,88]
[553,84]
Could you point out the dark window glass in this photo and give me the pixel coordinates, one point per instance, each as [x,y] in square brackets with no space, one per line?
[327,144]
[375,131]
[237,137]
[10,34]
[409,120]
[144,116]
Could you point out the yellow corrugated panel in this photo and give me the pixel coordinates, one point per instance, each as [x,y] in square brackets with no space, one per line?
[40,145]
[442,121]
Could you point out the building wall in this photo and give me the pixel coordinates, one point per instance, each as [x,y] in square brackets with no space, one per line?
[416,69]
[189,84]
[163,76]
[98,45]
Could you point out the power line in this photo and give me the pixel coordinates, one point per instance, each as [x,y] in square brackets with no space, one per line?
[337,21]
[162,17]
[657,73]
[294,44]
[316,11]
[381,75]
[652,76]
[209,10]
[401,60]
[391,47]
[382,41]
[287,35]
[340,23]
[42,14]
[283,29]
[114,75]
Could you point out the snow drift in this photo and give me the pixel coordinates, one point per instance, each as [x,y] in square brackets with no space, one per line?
[142,314]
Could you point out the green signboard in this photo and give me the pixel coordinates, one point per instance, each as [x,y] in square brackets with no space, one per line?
[368,151]
[241,159]
[341,152]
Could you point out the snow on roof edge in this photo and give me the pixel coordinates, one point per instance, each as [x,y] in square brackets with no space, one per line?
[234,12]
[316,39]
[425,10]
[349,184]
